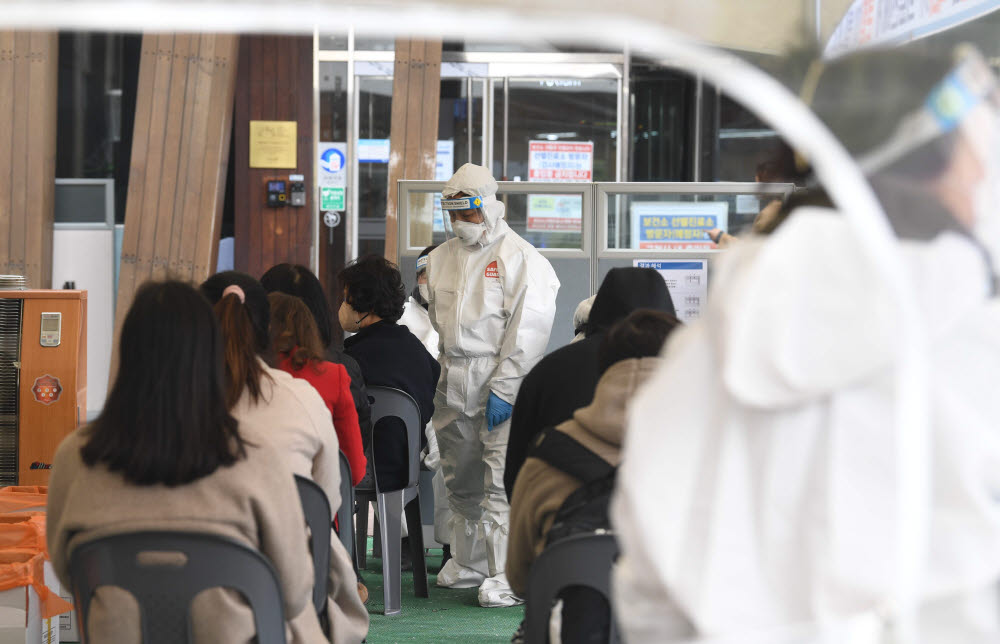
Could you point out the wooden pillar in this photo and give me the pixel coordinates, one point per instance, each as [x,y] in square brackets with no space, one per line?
[29,64]
[274,84]
[180,154]
[416,97]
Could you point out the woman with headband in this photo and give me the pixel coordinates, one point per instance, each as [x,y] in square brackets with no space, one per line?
[289,416]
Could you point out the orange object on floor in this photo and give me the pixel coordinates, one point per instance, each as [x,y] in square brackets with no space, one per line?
[23,498]
[22,545]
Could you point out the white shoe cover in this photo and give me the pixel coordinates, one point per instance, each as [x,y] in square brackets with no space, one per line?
[455,575]
[496,592]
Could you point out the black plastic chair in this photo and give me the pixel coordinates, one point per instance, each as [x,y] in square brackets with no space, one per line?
[388,403]
[164,586]
[580,560]
[345,513]
[316,508]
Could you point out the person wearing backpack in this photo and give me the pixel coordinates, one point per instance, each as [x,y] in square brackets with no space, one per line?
[565,484]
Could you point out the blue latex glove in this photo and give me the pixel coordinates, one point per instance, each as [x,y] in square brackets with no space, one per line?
[497,411]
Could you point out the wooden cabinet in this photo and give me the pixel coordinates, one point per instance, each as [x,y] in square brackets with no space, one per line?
[52,381]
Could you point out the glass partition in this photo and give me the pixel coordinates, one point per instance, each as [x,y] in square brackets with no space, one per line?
[656,225]
[551,216]
[678,216]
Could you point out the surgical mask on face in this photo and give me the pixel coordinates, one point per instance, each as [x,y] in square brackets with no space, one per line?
[469,233]
[423,290]
[350,320]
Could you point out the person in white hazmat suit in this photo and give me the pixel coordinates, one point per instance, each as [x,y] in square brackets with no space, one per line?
[492,300]
[758,496]
[416,319]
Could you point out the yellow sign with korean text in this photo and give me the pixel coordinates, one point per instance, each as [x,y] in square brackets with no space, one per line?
[272,144]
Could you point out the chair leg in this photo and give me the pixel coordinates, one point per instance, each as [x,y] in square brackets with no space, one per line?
[377,540]
[361,534]
[413,524]
[390,510]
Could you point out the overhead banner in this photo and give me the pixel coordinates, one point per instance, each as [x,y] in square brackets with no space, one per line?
[555,213]
[560,161]
[672,225]
[881,22]
[687,281]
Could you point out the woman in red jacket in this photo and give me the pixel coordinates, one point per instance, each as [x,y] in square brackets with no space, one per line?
[298,350]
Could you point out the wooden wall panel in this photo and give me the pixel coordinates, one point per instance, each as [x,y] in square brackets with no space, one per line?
[274,84]
[416,91]
[28,80]
[180,149]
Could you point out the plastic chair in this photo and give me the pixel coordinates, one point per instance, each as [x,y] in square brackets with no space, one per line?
[345,513]
[316,507]
[580,560]
[165,587]
[388,403]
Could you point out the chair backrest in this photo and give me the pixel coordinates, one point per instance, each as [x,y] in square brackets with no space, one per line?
[316,508]
[164,571]
[580,560]
[345,513]
[388,402]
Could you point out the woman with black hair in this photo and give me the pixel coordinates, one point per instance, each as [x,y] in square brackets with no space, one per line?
[287,414]
[389,355]
[166,454]
[297,280]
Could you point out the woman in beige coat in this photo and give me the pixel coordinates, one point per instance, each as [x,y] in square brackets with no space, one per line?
[165,454]
[625,360]
[287,414]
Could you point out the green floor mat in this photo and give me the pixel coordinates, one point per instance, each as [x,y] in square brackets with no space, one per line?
[446,616]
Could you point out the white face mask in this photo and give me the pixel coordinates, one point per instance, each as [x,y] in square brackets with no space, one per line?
[424,292]
[469,233]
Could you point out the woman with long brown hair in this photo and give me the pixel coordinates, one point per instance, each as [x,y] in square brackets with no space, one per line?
[287,414]
[298,350]
[166,453]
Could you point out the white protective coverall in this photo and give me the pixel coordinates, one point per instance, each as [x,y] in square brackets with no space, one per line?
[415,318]
[757,497]
[493,304]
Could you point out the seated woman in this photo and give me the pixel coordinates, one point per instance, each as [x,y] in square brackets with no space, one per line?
[298,350]
[288,415]
[578,453]
[165,453]
[299,281]
[389,355]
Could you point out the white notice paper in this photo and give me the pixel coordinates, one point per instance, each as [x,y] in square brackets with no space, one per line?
[687,281]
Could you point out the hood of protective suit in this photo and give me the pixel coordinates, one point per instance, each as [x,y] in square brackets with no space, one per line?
[624,290]
[477,181]
[806,313]
[605,417]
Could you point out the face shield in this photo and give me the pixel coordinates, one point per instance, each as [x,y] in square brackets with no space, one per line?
[473,189]
[940,170]
[464,209]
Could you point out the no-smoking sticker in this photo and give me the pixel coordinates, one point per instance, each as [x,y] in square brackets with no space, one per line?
[46,389]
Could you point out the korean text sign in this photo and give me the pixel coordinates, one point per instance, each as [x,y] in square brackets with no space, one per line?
[661,225]
[560,161]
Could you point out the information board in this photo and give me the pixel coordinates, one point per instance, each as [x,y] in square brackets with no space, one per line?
[672,225]
[333,165]
[555,213]
[273,144]
[687,281]
[560,161]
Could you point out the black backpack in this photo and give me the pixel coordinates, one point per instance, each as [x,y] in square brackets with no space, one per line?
[586,508]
